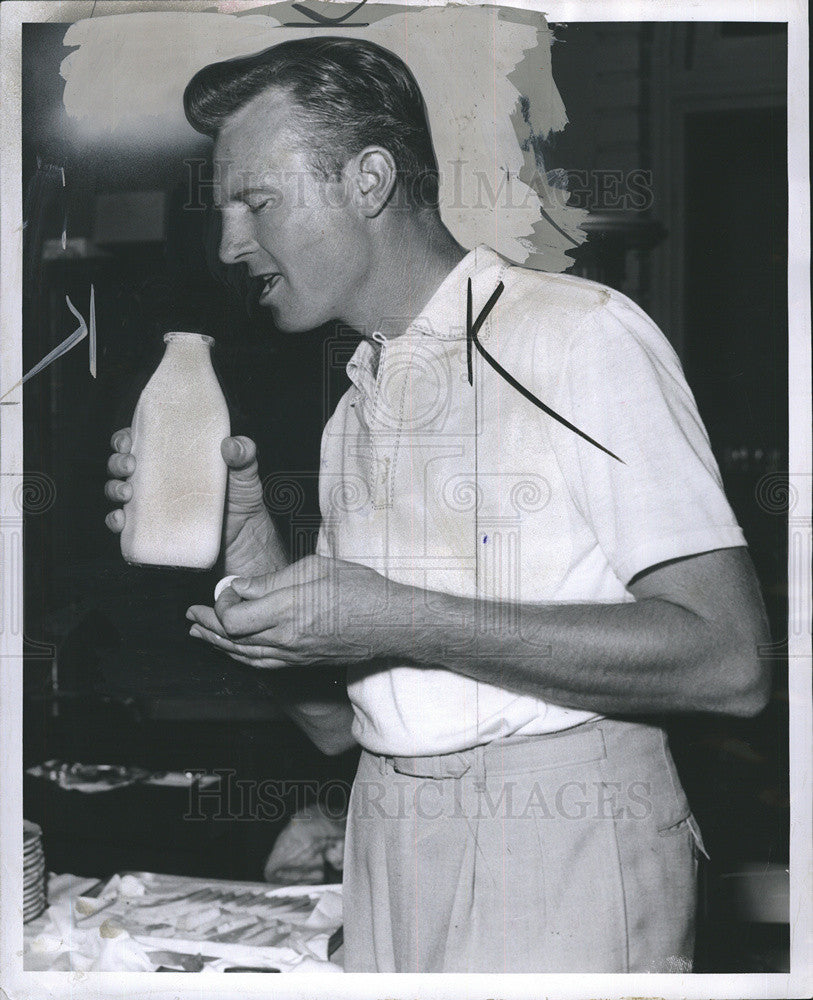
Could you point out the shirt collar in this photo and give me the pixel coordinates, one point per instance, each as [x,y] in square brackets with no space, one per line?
[361,367]
[444,315]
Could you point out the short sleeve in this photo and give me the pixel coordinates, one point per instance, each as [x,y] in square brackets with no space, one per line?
[623,385]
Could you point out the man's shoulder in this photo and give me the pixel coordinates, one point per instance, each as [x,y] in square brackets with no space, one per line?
[544,321]
[539,296]
[556,294]
[557,308]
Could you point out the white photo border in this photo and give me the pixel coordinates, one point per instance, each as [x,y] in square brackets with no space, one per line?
[17,984]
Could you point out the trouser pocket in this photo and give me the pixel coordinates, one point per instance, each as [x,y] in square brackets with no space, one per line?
[688,823]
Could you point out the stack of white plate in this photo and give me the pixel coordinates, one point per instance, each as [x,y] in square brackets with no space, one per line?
[34,893]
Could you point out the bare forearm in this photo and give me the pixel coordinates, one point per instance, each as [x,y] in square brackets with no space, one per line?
[641,657]
[693,650]
[317,702]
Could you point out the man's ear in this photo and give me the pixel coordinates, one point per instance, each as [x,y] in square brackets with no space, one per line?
[374,179]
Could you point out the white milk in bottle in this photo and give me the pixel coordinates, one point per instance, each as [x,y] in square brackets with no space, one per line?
[175,516]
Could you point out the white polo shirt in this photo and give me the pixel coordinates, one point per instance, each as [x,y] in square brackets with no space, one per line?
[472,490]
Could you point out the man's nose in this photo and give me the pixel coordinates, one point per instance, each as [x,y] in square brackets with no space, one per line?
[235,242]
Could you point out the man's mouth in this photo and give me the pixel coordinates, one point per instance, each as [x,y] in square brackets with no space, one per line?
[270,281]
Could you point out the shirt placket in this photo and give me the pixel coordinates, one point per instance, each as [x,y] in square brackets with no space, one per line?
[383,434]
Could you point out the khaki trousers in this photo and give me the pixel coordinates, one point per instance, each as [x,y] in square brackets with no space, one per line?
[570,852]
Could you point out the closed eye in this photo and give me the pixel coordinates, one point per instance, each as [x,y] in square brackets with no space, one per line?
[260,206]
[268,200]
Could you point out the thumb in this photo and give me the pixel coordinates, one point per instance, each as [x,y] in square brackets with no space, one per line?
[250,588]
[240,454]
[309,570]
[245,488]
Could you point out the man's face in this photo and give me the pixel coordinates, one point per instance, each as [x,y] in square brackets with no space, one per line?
[301,234]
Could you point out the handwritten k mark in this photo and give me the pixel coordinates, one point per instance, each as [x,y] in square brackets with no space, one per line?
[473,328]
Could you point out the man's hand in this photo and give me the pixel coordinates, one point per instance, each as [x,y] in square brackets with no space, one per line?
[315,611]
[300,851]
[252,545]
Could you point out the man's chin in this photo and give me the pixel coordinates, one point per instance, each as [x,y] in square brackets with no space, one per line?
[287,324]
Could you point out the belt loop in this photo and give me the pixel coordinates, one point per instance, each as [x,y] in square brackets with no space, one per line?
[480,767]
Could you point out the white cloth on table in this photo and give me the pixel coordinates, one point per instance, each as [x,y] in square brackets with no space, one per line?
[55,942]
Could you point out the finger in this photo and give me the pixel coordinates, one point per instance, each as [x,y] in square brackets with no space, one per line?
[292,855]
[251,653]
[266,663]
[202,615]
[122,441]
[121,466]
[245,489]
[227,599]
[262,636]
[118,490]
[261,662]
[251,588]
[266,639]
[215,639]
[298,606]
[224,582]
[115,521]
[208,618]
[204,618]
[244,618]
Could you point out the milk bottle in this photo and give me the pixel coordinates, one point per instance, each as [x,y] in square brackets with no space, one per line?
[175,516]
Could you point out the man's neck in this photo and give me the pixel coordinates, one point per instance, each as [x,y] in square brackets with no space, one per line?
[411,266]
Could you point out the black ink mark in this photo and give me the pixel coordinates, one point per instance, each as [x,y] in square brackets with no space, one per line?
[472,330]
[319,20]
[68,343]
[558,228]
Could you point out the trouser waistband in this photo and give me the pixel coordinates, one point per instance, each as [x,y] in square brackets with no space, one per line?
[578,745]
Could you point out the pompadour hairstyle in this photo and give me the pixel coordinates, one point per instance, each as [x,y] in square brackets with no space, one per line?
[352,94]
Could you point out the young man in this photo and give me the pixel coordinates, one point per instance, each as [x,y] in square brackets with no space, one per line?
[512,588]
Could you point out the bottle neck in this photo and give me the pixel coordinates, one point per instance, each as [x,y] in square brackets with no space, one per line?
[181,339]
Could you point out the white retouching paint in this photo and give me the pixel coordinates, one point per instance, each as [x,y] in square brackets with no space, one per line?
[124,83]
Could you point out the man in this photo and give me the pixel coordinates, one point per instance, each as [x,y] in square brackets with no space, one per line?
[525,547]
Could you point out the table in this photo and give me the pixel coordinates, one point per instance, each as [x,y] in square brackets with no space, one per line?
[149,922]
